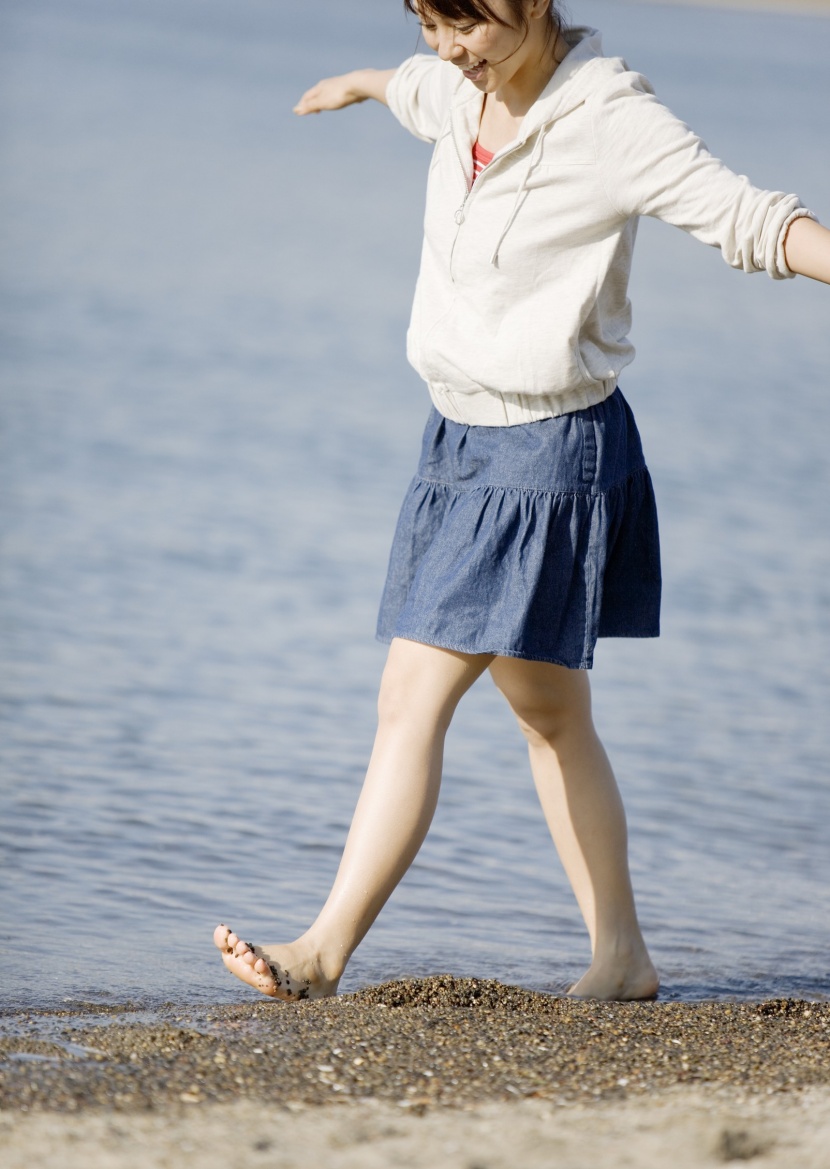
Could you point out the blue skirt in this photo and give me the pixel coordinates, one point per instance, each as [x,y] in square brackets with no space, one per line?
[527,541]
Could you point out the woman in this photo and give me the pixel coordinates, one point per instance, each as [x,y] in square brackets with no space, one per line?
[530,529]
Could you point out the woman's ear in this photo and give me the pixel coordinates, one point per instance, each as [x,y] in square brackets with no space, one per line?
[538,9]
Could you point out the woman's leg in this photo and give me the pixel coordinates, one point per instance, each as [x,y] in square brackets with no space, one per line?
[582,806]
[419,692]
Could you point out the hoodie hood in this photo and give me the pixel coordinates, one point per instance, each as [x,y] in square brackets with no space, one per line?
[572,81]
[570,85]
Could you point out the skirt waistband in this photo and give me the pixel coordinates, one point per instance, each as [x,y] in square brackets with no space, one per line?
[585,451]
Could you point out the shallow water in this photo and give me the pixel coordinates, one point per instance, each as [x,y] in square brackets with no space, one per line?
[206,425]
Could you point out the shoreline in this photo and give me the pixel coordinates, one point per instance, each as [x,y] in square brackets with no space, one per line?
[395,1073]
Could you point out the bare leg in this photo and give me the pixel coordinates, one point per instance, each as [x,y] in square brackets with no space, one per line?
[584,811]
[420,690]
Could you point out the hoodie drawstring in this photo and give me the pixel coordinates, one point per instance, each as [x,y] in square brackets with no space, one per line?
[536,154]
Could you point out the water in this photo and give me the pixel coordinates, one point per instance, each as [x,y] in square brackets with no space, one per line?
[207,426]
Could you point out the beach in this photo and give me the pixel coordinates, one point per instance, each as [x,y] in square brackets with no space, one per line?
[686,1129]
[192,560]
[436,1071]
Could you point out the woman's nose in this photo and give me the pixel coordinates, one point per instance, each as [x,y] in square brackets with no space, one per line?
[448,50]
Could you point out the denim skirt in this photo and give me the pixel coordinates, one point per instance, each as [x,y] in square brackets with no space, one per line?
[527,541]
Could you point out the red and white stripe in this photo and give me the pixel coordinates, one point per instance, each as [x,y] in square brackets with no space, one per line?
[481,158]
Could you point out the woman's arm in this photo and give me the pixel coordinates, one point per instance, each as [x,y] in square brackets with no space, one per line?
[807,249]
[336,92]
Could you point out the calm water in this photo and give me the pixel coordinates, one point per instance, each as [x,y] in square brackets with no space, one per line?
[207,424]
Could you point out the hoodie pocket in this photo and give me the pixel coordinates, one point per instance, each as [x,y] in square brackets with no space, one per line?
[585,373]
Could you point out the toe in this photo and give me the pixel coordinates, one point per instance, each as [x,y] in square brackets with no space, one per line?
[239,959]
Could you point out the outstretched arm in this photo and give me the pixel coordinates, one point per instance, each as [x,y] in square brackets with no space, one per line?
[807,249]
[336,92]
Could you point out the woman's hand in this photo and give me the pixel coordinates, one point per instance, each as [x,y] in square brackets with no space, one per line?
[334,93]
[807,249]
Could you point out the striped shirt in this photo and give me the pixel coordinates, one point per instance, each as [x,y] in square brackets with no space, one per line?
[481,158]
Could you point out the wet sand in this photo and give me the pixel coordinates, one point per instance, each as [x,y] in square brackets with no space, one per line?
[399,1073]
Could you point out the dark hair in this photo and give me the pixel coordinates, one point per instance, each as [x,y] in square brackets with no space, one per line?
[469,10]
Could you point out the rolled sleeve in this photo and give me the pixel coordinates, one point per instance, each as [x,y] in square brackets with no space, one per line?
[653,164]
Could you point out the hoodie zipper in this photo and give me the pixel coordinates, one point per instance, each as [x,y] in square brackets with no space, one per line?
[460,213]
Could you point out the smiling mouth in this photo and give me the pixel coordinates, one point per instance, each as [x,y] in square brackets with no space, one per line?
[475,71]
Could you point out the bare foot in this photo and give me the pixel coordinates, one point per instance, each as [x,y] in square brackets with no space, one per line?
[282,972]
[618,981]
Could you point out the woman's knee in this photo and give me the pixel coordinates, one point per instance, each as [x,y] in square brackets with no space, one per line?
[400,696]
[425,683]
[544,724]
[548,701]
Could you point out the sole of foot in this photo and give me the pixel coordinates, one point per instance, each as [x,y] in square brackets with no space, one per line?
[279,972]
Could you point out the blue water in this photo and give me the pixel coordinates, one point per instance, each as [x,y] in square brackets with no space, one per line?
[206,426]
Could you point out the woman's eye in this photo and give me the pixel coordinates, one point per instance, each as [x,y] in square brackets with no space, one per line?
[465,32]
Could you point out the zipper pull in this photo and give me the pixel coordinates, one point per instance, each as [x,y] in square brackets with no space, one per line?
[459,215]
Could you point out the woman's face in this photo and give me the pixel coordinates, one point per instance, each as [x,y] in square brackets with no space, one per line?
[489,54]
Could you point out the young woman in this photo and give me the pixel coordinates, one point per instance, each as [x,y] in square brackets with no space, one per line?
[530,529]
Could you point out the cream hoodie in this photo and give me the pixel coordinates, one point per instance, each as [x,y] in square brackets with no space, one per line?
[521,309]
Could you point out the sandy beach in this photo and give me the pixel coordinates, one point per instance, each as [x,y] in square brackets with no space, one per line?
[687,1129]
[439,1071]
[434,1073]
